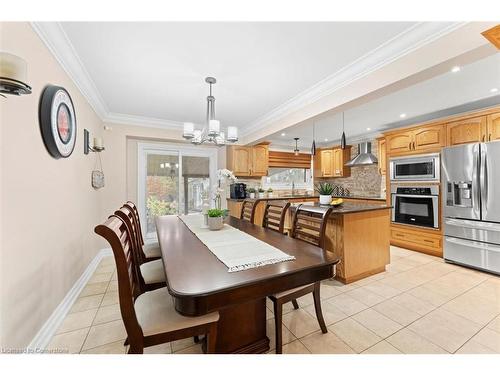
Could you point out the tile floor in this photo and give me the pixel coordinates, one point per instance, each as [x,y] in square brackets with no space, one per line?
[419,305]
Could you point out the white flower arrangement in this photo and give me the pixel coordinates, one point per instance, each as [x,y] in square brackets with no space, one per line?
[223,175]
[226,174]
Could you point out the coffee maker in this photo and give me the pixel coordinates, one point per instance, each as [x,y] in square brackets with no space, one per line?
[238,191]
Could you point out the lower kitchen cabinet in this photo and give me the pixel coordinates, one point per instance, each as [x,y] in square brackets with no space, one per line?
[417,239]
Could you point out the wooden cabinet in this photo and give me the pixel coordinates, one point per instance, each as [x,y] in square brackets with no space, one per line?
[382,159]
[424,138]
[326,163]
[260,160]
[466,131]
[417,239]
[493,127]
[251,161]
[331,162]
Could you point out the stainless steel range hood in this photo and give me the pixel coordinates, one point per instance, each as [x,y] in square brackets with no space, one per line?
[364,157]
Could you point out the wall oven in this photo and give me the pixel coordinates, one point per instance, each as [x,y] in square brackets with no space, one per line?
[415,168]
[415,205]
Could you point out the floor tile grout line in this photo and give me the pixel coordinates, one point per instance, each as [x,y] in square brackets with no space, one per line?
[474,335]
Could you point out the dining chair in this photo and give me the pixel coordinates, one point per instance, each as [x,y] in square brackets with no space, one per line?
[248,209]
[149,317]
[308,224]
[150,274]
[274,215]
[150,251]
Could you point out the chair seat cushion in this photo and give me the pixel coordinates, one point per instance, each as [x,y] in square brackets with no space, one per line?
[290,291]
[153,272]
[152,250]
[156,314]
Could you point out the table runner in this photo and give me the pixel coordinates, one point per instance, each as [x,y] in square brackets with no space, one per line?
[236,249]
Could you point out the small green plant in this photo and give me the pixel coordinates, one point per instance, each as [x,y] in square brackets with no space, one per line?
[269,190]
[215,212]
[261,190]
[324,188]
[251,190]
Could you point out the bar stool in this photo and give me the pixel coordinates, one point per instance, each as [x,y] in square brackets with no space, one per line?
[274,215]
[248,209]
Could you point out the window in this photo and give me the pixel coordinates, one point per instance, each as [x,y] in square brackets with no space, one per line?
[283,178]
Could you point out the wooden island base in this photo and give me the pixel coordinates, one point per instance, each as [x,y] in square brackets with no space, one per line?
[361,240]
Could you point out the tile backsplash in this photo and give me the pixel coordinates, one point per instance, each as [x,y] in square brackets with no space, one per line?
[365,180]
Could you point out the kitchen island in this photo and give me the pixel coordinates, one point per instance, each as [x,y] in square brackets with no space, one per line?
[359,234]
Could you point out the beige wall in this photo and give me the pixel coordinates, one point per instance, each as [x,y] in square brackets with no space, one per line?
[48,208]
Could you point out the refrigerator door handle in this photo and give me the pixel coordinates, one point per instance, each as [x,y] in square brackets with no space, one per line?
[476,193]
[480,225]
[483,180]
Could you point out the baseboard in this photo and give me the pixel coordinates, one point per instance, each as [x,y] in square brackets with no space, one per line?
[43,337]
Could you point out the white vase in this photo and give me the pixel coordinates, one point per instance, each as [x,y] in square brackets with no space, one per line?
[215,223]
[252,195]
[325,199]
[262,195]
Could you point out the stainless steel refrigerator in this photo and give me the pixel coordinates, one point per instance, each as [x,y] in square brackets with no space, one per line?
[470,182]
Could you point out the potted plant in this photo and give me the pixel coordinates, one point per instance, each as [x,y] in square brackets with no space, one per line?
[269,193]
[251,191]
[215,219]
[325,190]
[261,193]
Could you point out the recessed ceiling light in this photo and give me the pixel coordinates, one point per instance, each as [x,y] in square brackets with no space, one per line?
[283,134]
[326,139]
[494,89]
[368,129]
[455,69]
[402,115]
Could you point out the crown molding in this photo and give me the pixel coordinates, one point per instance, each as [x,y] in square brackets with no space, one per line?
[58,43]
[402,44]
[149,122]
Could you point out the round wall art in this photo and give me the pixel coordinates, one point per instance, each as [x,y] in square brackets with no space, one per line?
[57,121]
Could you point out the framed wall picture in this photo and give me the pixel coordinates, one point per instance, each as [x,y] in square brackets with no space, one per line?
[57,121]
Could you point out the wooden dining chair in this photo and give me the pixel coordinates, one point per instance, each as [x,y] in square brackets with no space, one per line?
[248,209]
[150,251]
[150,273]
[274,215]
[149,317]
[308,224]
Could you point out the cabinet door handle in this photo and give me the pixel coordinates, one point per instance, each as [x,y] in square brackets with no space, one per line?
[489,138]
[483,138]
[409,146]
[414,147]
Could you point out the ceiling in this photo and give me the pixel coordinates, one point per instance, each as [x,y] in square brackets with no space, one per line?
[157,70]
[450,90]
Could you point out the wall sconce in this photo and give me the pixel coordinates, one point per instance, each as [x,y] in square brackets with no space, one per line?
[13,75]
[97,146]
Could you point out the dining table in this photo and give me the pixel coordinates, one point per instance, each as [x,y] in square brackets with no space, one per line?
[200,283]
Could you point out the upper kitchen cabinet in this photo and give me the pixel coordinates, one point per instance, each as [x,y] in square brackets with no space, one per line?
[330,162]
[416,140]
[493,127]
[248,161]
[467,131]
[382,159]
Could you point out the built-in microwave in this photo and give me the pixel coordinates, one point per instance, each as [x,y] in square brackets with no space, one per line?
[415,168]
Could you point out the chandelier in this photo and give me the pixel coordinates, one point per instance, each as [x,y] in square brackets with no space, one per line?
[212,132]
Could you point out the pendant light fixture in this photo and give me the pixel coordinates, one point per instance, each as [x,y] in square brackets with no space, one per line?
[313,146]
[342,139]
[296,150]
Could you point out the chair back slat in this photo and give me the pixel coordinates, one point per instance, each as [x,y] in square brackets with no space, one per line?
[115,231]
[131,205]
[309,224]
[274,215]
[248,210]
[126,213]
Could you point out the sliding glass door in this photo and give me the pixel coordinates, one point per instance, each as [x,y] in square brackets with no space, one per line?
[172,180]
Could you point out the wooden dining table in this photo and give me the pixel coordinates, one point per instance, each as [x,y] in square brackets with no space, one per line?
[200,283]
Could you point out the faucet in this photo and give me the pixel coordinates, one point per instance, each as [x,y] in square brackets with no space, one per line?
[293,188]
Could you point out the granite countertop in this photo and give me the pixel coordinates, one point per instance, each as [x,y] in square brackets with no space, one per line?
[348,207]
[285,197]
